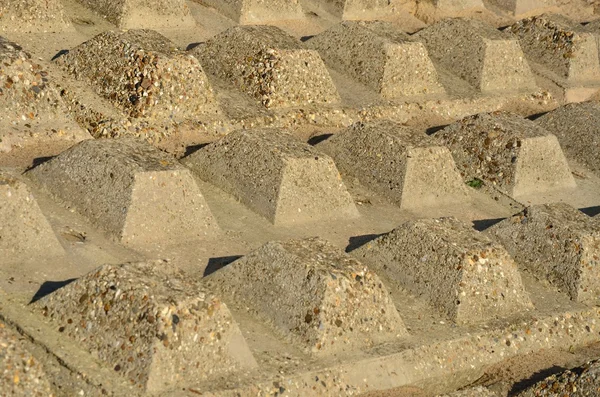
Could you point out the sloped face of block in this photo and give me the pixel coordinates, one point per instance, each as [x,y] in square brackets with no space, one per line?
[149,322]
[21,374]
[143,74]
[560,45]
[257,11]
[24,231]
[513,154]
[30,102]
[359,9]
[136,14]
[398,163]
[457,5]
[556,242]
[313,294]
[132,191]
[278,177]
[486,58]
[33,16]
[269,65]
[577,128]
[458,270]
[380,57]
[518,7]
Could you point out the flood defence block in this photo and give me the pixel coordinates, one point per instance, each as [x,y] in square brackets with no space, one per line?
[135,14]
[561,45]
[142,73]
[269,65]
[556,242]
[577,127]
[379,56]
[32,109]
[362,9]
[511,153]
[33,16]
[280,178]
[399,163]
[459,271]
[489,60]
[257,11]
[314,294]
[24,230]
[153,325]
[21,374]
[135,193]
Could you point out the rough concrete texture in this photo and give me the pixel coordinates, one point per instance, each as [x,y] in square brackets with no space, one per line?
[583,381]
[33,16]
[454,6]
[24,231]
[314,294]
[142,73]
[558,243]
[134,192]
[21,374]
[284,180]
[399,163]
[459,271]
[268,64]
[136,14]
[32,110]
[380,56]
[257,11]
[511,153]
[560,45]
[477,391]
[150,323]
[489,60]
[577,127]
[363,9]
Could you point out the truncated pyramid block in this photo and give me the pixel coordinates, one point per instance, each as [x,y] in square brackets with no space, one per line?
[257,11]
[270,65]
[24,231]
[313,294]
[150,323]
[21,374]
[134,192]
[556,242]
[577,127]
[132,14]
[458,270]
[33,16]
[142,73]
[31,103]
[398,163]
[561,46]
[509,152]
[284,180]
[520,7]
[489,60]
[380,57]
[361,9]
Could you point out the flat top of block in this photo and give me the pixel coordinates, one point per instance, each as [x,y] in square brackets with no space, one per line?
[507,125]
[385,30]
[465,29]
[256,37]
[565,215]
[551,21]
[457,234]
[400,134]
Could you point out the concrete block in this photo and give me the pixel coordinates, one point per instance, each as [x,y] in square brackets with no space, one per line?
[379,56]
[489,60]
[269,65]
[577,128]
[257,11]
[143,74]
[135,193]
[399,163]
[138,14]
[561,46]
[558,243]
[363,9]
[313,294]
[282,179]
[24,230]
[33,16]
[459,271]
[21,374]
[511,153]
[150,323]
